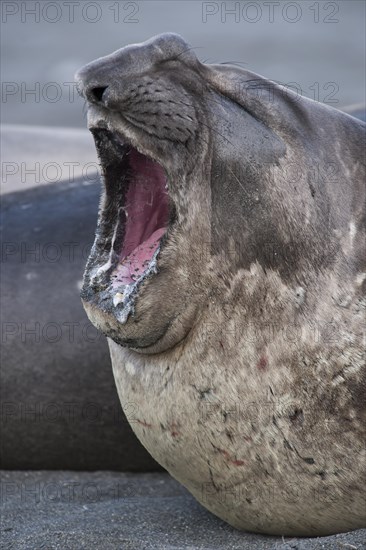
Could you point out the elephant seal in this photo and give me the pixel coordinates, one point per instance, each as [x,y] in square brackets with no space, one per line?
[227,272]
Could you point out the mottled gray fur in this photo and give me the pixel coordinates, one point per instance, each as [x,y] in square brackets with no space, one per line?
[245,352]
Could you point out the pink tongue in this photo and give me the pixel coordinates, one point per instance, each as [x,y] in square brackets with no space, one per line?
[137,262]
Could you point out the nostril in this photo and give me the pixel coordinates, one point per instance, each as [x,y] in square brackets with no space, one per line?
[97,93]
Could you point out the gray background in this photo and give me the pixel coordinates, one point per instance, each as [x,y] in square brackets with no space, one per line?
[43,55]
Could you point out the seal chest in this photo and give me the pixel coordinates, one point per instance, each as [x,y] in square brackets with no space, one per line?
[230,288]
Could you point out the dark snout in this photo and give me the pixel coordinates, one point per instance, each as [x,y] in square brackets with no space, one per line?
[97,79]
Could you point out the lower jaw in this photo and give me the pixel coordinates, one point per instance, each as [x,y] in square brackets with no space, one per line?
[140,260]
[114,290]
[131,335]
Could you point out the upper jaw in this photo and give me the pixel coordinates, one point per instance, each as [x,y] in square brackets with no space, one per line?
[102,118]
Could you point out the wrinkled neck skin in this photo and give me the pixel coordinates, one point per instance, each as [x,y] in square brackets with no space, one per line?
[241,356]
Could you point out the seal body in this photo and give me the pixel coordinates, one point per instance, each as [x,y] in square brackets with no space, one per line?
[240,336]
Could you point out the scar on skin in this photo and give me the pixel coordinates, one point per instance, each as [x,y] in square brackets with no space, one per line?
[262,363]
[229,458]
[143,423]
[173,429]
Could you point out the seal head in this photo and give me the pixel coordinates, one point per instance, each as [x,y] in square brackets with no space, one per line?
[153,129]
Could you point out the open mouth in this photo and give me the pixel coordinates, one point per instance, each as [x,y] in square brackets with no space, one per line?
[135,215]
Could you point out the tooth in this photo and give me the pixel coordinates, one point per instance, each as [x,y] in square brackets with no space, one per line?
[118,298]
